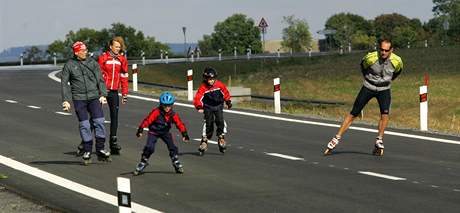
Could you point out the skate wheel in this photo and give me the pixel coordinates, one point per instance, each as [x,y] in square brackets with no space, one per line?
[328,151]
[180,171]
[378,152]
[86,162]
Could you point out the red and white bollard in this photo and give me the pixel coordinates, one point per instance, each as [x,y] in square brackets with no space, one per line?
[135,71]
[424,105]
[190,84]
[124,195]
[277,95]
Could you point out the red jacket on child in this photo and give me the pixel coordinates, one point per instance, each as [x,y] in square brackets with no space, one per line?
[114,71]
[214,95]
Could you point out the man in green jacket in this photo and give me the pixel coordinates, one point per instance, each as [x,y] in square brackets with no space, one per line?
[82,82]
[379,69]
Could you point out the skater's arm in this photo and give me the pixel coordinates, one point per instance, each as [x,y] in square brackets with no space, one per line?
[150,118]
[225,91]
[124,77]
[198,100]
[179,124]
[65,87]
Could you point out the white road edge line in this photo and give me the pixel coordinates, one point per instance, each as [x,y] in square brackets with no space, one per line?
[209,141]
[284,156]
[381,175]
[440,140]
[68,184]
[63,113]
[11,101]
[34,107]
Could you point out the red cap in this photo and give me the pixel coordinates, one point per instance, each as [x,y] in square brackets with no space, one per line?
[77,46]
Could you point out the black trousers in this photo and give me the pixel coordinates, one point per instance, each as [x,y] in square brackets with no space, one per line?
[214,114]
[365,94]
[114,104]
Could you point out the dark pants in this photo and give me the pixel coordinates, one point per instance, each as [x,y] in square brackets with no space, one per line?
[213,115]
[86,109]
[152,139]
[365,94]
[114,104]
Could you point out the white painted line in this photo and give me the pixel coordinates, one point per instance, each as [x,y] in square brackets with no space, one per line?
[434,186]
[52,75]
[34,107]
[284,156]
[209,141]
[415,182]
[381,175]
[63,113]
[68,184]
[11,101]
[440,140]
[456,190]
[346,168]
[107,122]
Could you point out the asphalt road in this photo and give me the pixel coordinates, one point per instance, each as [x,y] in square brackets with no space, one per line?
[272,165]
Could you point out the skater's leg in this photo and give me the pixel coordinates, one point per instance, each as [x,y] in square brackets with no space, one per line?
[114,104]
[84,125]
[149,147]
[219,120]
[97,116]
[361,100]
[209,122]
[384,100]
[173,152]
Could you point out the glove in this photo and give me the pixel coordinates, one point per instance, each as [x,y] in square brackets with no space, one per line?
[139,132]
[124,99]
[229,104]
[66,106]
[185,137]
[102,100]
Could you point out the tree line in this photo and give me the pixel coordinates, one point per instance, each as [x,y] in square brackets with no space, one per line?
[239,33]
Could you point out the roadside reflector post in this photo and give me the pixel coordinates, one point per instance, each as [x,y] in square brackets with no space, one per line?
[135,71]
[190,84]
[276,95]
[424,105]
[124,195]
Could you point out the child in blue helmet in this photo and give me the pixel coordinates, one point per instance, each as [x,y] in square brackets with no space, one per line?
[159,122]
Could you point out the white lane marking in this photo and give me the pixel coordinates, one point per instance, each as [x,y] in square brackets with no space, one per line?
[209,141]
[107,122]
[11,101]
[381,175]
[34,107]
[52,75]
[434,186]
[456,190]
[440,140]
[284,156]
[68,184]
[63,113]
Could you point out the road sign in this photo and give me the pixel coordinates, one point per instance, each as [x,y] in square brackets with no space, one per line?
[263,23]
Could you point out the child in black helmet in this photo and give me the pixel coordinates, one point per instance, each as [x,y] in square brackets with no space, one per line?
[159,122]
[210,99]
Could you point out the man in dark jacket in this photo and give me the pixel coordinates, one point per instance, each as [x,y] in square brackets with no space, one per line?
[81,81]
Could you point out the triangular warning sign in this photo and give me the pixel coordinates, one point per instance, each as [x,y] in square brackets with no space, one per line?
[263,23]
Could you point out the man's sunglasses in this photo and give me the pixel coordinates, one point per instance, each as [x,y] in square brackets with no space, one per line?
[384,50]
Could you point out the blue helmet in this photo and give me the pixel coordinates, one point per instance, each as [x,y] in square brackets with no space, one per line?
[167,98]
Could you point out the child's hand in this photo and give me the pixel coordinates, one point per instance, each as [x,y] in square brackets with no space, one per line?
[185,137]
[139,132]
[201,110]
[229,104]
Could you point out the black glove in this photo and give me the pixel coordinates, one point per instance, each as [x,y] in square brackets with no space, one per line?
[185,136]
[229,104]
[139,132]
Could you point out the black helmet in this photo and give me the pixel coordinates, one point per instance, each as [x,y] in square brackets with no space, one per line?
[209,73]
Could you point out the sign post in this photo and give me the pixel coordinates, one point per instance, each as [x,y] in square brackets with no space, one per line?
[263,28]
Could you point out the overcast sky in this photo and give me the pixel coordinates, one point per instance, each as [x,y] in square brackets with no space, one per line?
[34,22]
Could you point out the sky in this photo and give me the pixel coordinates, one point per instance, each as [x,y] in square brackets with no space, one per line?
[37,22]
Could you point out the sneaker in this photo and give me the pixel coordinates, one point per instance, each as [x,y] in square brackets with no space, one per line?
[103,155]
[334,142]
[379,143]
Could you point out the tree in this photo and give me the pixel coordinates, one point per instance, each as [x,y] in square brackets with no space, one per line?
[98,41]
[296,36]
[348,26]
[396,27]
[33,54]
[236,31]
[449,11]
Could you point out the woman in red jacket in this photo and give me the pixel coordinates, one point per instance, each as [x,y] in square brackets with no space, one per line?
[114,67]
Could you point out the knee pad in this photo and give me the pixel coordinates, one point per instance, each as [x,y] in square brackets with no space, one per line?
[85,131]
[99,127]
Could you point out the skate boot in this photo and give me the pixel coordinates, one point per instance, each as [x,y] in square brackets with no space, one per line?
[378,149]
[331,145]
[221,143]
[177,165]
[103,155]
[114,147]
[140,168]
[80,150]
[86,158]
[203,146]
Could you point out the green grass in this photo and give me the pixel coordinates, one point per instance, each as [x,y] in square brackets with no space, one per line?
[338,78]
